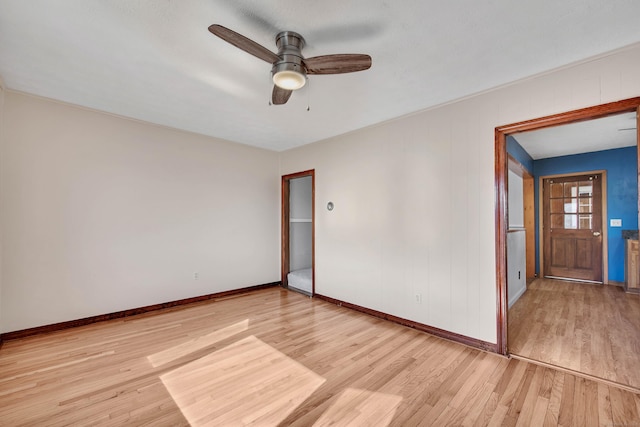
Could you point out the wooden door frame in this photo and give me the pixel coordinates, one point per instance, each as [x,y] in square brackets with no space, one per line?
[605,228]
[500,188]
[528,213]
[284,227]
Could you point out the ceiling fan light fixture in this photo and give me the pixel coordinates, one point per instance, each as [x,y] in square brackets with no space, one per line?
[288,76]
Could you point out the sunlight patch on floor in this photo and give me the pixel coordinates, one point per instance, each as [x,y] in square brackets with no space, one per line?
[245,383]
[356,407]
[188,347]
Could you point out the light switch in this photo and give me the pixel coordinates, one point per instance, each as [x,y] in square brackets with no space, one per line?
[615,223]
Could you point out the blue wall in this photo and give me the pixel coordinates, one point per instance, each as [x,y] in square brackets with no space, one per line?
[622,194]
[519,153]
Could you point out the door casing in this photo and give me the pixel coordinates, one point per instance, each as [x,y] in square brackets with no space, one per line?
[284,227]
[500,189]
[602,228]
[605,246]
[529,214]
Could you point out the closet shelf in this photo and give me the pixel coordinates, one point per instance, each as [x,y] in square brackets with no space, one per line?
[300,220]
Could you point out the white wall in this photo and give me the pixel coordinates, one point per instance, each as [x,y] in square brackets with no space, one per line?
[516,265]
[2,91]
[516,247]
[515,201]
[300,233]
[101,214]
[414,197]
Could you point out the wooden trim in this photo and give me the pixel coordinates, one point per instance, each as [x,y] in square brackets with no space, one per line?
[529,201]
[127,313]
[451,336]
[599,194]
[589,113]
[604,225]
[313,232]
[529,216]
[284,233]
[501,192]
[284,242]
[500,187]
[518,168]
[564,175]
[540,214]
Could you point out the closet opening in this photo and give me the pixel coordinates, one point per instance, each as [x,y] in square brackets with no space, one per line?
[298,232]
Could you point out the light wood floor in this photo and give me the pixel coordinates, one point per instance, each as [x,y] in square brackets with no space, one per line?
[593,329]
[274,357]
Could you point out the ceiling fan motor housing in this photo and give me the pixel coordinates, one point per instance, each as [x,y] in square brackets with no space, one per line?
[290,45]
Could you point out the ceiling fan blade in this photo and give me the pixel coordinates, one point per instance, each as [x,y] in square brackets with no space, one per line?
[241,42]
[337,64]
[280,96]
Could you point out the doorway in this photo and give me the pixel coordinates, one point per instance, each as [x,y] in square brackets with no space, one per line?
[572,227]
[298,235]
[631,105]
[573,303]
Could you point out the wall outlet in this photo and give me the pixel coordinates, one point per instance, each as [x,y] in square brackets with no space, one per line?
[196,275]
[418,298]
[615,223]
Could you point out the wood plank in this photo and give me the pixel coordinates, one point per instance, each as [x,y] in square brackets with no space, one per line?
[586,328]
[298,362]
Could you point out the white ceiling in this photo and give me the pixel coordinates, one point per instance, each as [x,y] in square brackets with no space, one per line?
[154,60]
[582,137]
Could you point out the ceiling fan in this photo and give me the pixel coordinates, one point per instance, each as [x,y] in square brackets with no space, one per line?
[289,68]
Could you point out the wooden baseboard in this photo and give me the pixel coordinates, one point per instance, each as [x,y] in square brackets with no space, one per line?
[451,336]
[126,313]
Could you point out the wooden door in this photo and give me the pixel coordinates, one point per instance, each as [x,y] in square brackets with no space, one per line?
[572,227]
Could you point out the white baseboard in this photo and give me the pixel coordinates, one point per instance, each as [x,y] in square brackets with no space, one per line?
[516,297]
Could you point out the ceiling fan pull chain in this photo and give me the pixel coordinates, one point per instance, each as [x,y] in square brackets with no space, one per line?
[308,95]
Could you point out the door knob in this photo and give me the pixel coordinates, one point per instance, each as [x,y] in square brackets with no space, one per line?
[596,233]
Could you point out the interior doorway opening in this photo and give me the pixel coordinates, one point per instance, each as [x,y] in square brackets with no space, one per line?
[545,286]
[501,185]
[298,232]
